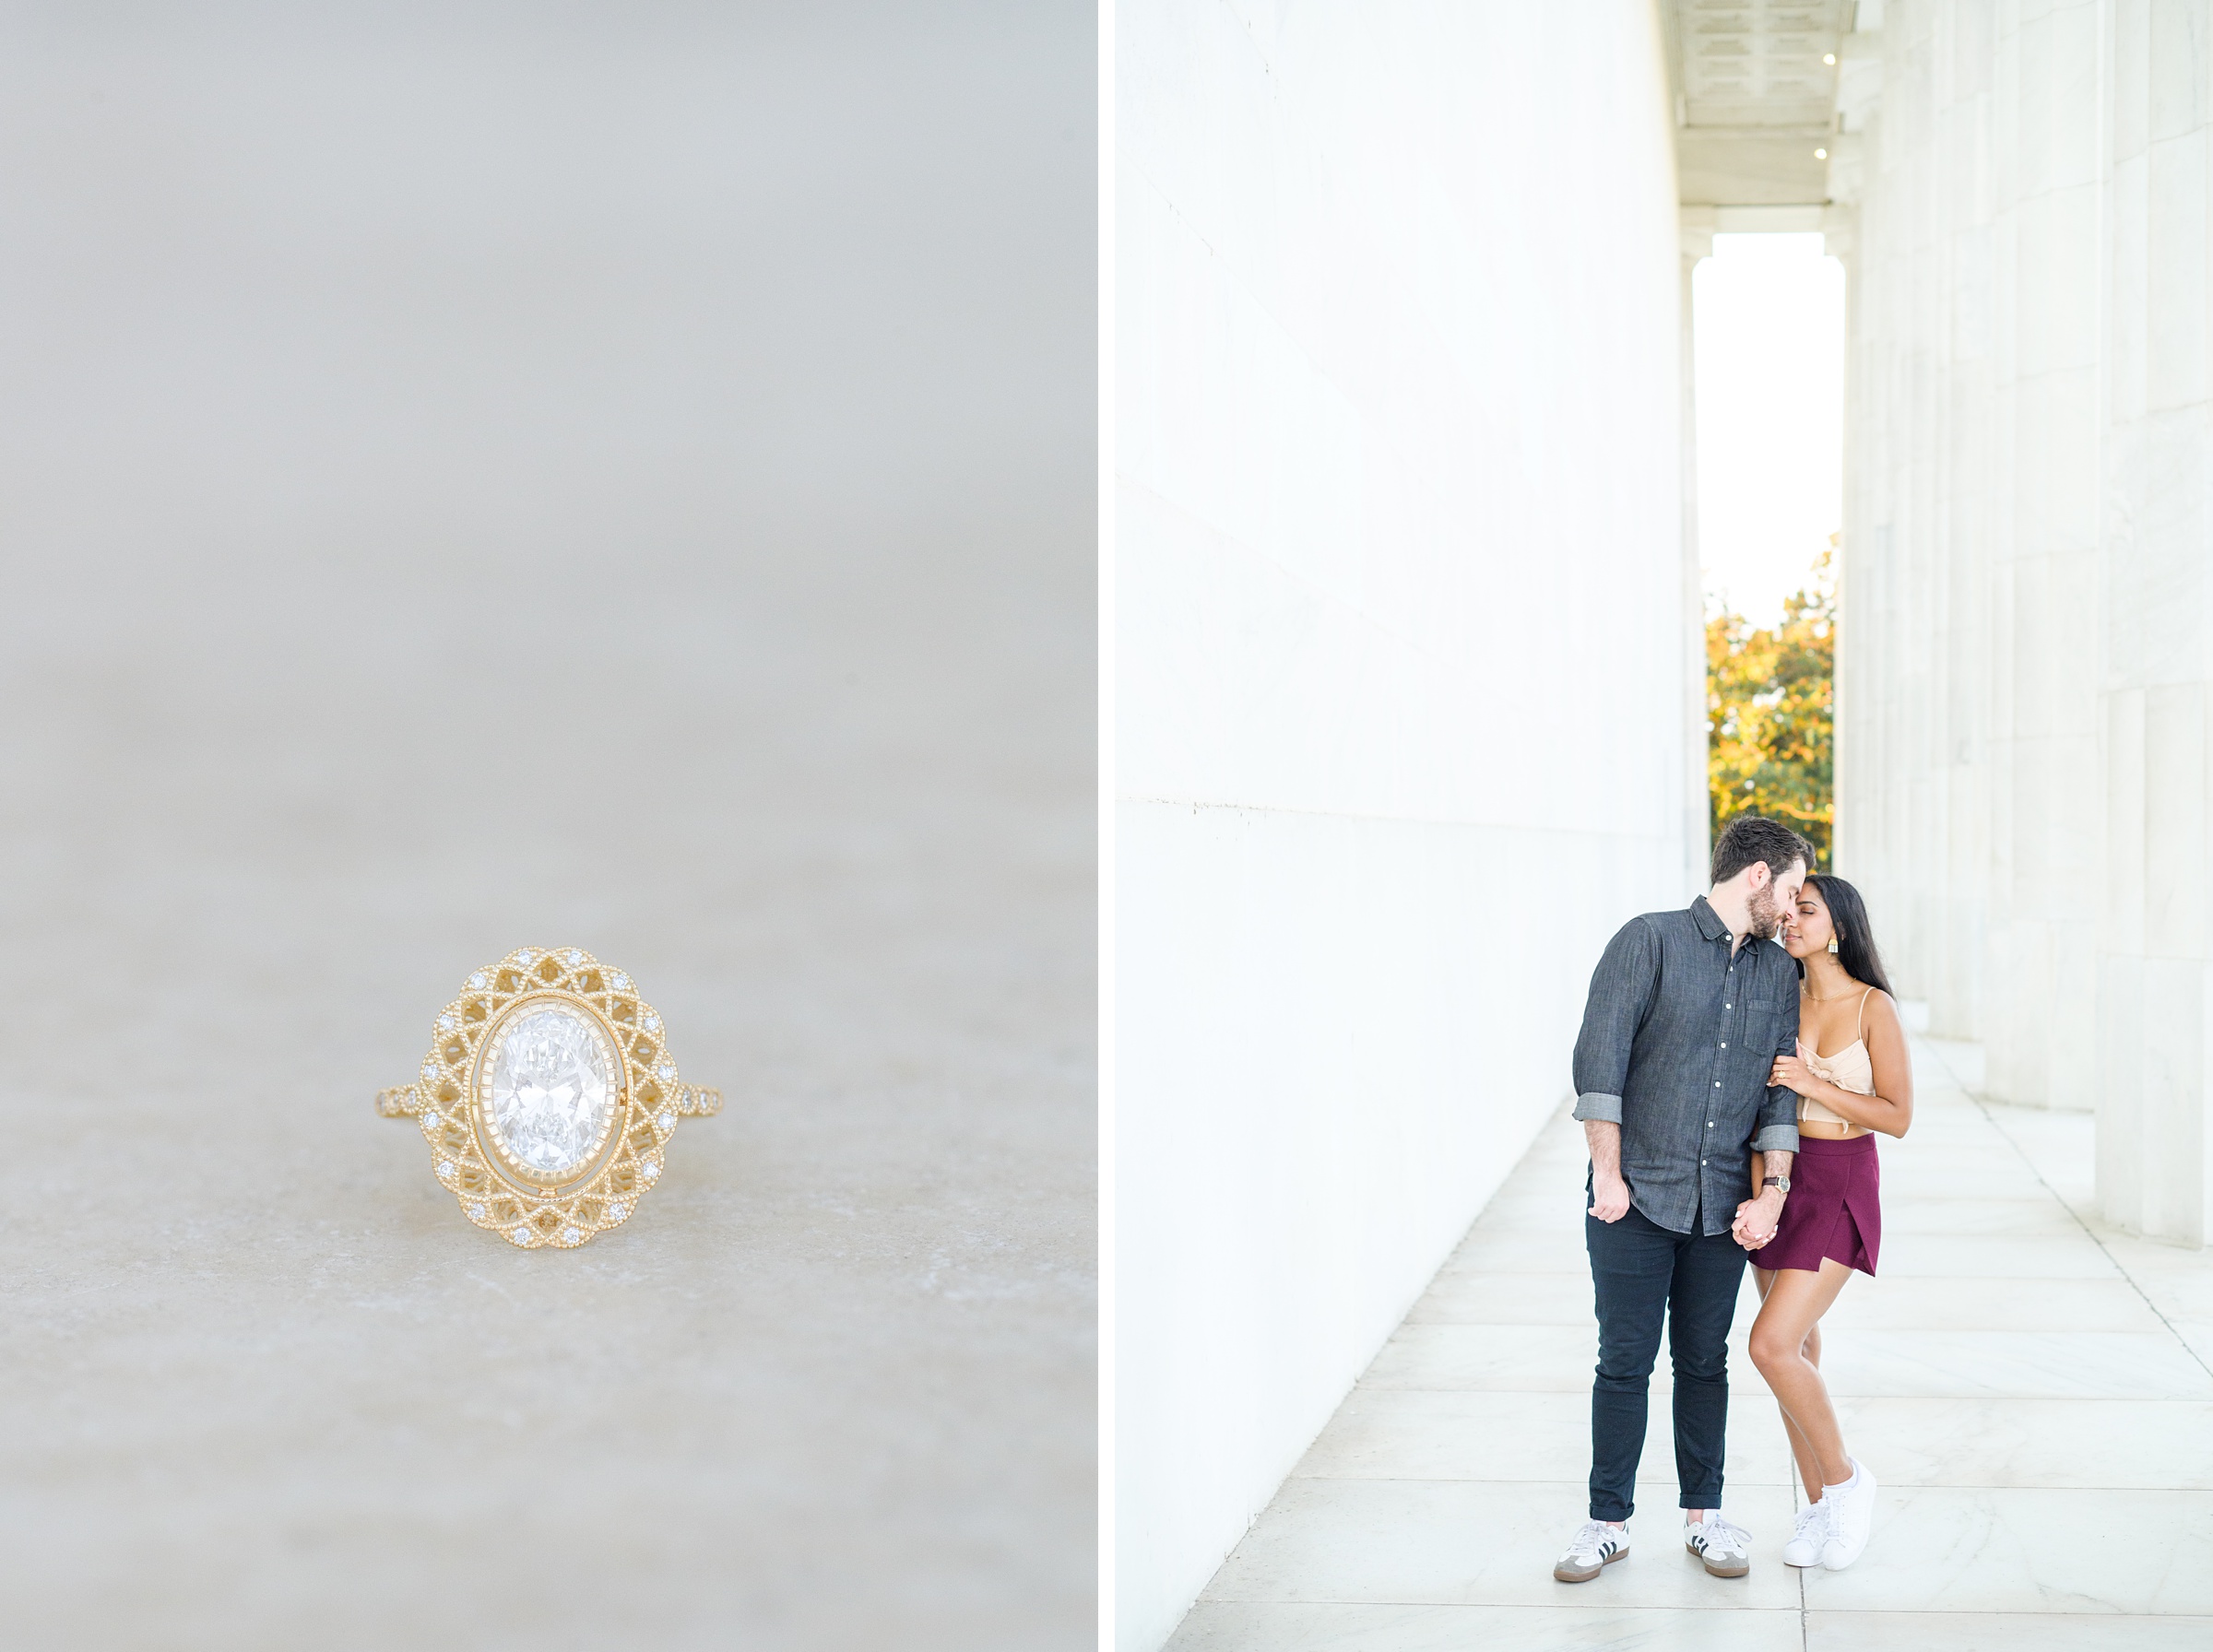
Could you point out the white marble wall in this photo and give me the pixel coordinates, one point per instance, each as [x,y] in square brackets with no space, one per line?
[2022,766]
[1404,635]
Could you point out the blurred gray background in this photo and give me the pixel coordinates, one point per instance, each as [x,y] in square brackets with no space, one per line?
[616,476]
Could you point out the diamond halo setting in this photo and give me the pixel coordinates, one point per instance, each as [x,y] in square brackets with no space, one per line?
[549,1098]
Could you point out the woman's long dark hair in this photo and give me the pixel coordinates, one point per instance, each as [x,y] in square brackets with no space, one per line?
[1855,938]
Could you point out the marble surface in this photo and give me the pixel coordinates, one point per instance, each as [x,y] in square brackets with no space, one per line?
[612,476]
[2003,1632]
[1464,1433]
[2042,1430]
[1337,1626]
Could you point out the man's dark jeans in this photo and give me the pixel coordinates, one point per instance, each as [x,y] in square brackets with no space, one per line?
[1641,1271]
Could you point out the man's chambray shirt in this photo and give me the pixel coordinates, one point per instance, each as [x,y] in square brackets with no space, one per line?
[1678,1039]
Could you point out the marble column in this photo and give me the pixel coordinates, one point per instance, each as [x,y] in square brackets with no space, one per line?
[1697,824]
[2028,627]
[2040,445]
[1913,718]
[2152,944]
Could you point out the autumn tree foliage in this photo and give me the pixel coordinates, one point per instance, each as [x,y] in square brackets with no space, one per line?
[1770,698]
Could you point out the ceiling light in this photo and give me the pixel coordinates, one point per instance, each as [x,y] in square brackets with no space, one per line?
[1828,57]
[1820,154]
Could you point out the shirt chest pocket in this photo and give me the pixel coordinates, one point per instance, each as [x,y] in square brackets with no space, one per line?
[1763,1022]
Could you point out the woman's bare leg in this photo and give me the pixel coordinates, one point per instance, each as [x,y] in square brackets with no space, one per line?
[1792,1305]
[1809,1471]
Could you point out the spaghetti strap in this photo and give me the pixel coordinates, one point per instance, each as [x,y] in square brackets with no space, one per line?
[1860,1027]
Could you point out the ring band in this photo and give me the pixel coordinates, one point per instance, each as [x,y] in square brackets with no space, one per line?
[405,1101]
[547,1098]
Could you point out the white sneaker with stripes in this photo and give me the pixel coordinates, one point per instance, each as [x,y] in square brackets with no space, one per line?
[1596,1547]
[1725,1548]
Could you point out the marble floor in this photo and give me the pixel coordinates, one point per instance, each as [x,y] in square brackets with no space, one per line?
[2031,1388]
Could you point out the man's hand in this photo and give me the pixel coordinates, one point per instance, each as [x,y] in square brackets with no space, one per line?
[1757,1219]
[1609,1196]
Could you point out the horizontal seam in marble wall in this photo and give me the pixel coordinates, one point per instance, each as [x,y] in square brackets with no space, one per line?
[1349,814]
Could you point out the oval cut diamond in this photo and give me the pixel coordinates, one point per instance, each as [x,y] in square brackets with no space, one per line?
[551,1089]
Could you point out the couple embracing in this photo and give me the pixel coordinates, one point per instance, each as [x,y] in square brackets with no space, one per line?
[1720,1132]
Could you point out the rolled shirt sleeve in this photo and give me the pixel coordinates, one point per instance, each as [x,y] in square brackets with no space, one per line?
[1597,1105]
[1621,991]
[1778,1128]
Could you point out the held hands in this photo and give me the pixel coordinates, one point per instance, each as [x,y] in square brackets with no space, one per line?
[1609,1197]
[1756,1220]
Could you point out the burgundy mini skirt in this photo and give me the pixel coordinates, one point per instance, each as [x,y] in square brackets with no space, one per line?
[1835,1208]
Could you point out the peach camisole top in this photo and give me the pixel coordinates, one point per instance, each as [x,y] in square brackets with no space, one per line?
[1850,1068]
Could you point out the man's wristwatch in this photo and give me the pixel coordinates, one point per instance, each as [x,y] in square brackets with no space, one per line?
[1781,1184]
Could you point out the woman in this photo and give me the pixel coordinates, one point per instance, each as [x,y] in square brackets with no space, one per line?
[1831,1220]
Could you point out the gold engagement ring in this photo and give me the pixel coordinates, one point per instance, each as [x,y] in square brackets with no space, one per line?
[548,1097]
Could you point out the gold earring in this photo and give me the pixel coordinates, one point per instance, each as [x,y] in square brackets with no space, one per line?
[1832,943]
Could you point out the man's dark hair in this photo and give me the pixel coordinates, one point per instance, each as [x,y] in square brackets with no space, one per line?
[1748,838]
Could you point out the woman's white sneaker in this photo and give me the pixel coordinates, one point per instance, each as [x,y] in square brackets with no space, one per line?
[1595,1547]
[1850,1517]
[1806,1538]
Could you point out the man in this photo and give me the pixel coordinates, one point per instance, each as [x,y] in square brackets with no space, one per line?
[1687,1012]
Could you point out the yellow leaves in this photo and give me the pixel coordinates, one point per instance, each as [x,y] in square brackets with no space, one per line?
[1771,703]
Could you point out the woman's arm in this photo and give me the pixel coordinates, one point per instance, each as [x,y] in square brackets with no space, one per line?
[1890,1108]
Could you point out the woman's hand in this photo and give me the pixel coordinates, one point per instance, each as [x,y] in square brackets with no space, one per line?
[1792,1073]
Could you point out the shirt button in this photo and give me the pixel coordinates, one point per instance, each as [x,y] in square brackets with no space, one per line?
[1724,1043]
[1717,1083]
[1701,1161]
[1728,1006]
[1709,1124]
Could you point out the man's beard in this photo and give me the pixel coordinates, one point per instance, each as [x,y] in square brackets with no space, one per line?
[1765,913]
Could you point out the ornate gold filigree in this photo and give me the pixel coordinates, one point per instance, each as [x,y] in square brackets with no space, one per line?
[450,1095]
